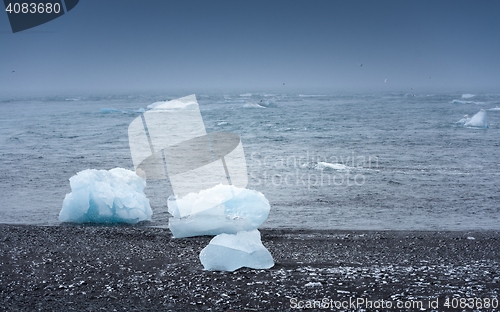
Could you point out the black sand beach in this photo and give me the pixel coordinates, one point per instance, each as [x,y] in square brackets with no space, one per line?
[92,268]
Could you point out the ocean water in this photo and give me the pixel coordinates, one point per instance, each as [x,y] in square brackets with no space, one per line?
[324,161]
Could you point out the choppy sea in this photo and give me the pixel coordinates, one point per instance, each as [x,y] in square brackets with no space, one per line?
[324,161]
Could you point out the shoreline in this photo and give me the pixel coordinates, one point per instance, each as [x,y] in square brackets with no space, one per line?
[89,267]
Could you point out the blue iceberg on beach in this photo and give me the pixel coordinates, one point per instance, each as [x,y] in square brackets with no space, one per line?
[221,209]
[101,196]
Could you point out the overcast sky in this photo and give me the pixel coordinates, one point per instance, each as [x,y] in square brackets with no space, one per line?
[139,46]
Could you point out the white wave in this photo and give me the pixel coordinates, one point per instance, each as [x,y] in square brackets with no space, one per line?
[222,123]
[267,103]
[173,104]
[246,94]
[468,96]
[155,104]
[466,102]
[311,95]
[494,109]
[324,165]
[107,110]
[253,105]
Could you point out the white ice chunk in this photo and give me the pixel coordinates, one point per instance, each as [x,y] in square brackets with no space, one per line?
[464,120]
[479,120]
[229,252]
[468,96]
[114,196]
[221,209]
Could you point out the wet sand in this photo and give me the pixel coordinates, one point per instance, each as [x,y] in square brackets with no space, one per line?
[126,268]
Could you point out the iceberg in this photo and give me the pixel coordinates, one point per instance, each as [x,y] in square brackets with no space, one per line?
[101,196]
[221,209]
[229,252]
[479,120]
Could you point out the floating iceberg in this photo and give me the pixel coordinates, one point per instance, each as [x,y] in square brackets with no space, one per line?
[114,196]
[221,209]
[229,252]
[468,96]
[479,120]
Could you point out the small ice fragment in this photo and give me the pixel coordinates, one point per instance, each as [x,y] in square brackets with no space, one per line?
[101,196]
[464,120]
[471,238]
[229,252]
